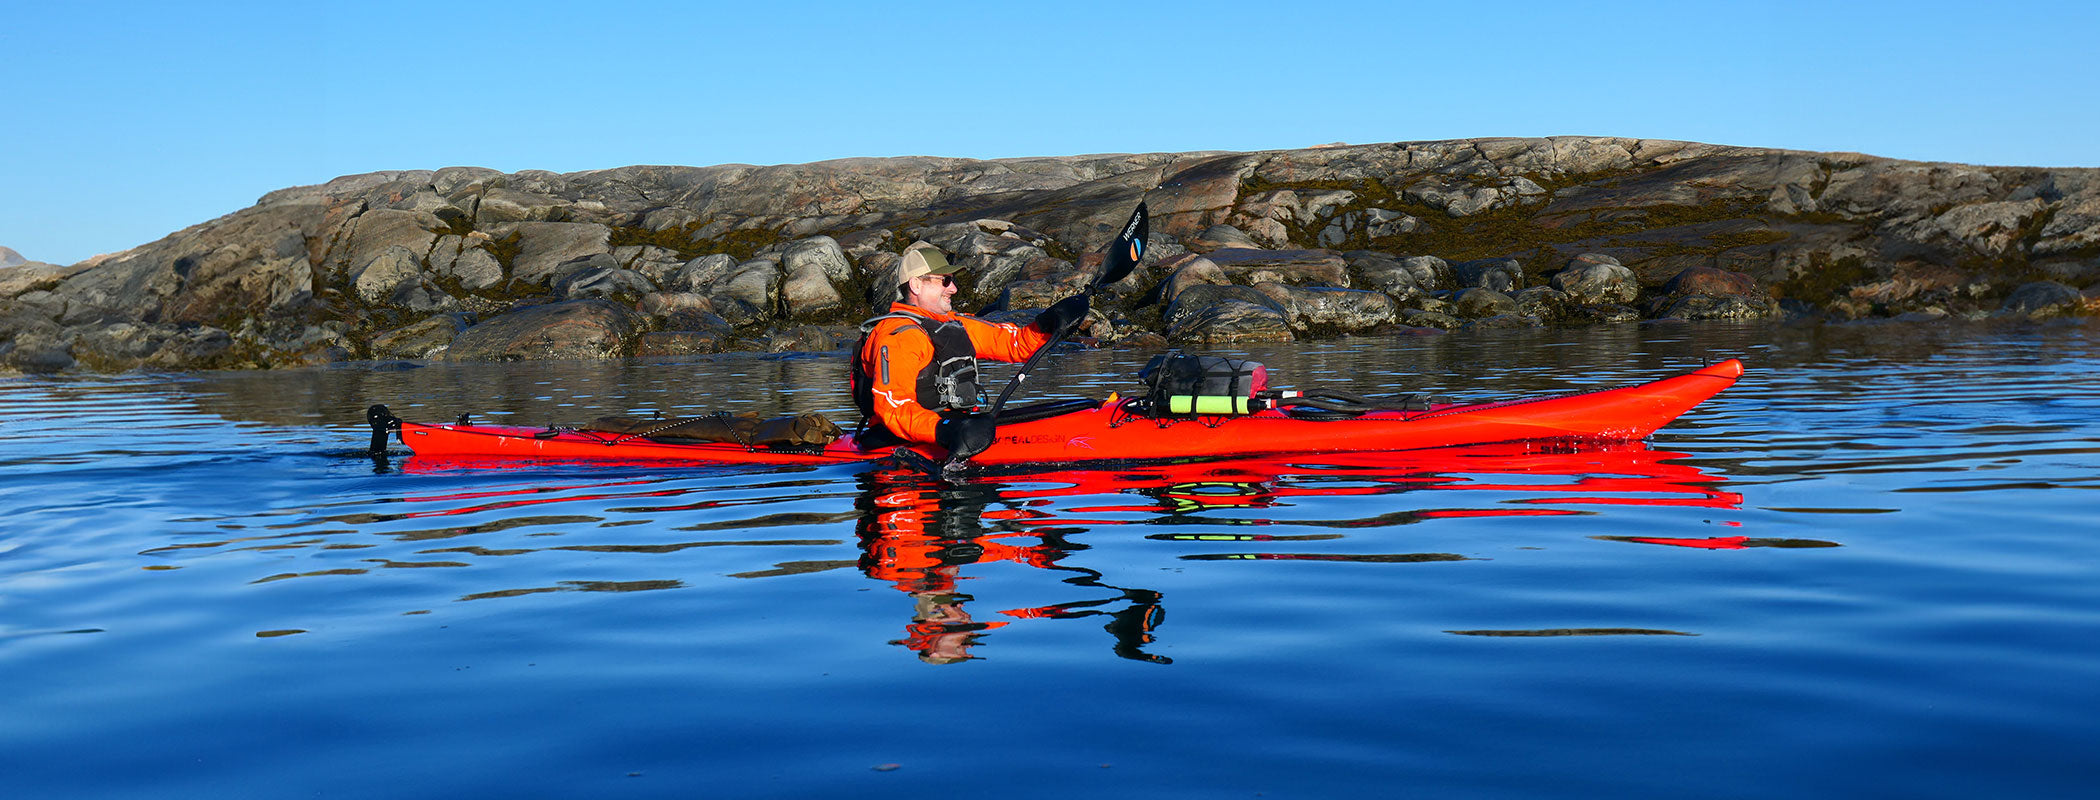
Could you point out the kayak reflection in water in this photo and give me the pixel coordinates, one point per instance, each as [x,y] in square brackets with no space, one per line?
[917,534]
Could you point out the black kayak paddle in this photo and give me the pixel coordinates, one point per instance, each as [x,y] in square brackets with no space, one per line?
[1122,257]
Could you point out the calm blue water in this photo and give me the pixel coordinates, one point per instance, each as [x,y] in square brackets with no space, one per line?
[1869,570]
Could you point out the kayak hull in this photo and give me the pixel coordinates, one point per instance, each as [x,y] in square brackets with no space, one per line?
[1111,432]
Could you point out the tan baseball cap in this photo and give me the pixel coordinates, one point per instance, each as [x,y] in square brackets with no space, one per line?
[922,259]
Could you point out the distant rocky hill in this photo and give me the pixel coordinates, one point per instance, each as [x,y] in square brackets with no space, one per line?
[10,258]
[473,264]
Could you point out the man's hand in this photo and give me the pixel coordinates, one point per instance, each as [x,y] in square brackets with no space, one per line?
[965,435]
[1064,316]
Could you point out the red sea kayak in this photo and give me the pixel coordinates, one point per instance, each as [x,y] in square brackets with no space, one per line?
[1111,431]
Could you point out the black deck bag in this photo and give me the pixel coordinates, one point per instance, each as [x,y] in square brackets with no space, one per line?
[1178,384]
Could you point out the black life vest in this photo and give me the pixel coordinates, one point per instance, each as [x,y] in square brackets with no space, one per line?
[949,382]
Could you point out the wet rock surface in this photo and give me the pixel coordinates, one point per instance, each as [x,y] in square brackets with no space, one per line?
[574,329]
[471,264]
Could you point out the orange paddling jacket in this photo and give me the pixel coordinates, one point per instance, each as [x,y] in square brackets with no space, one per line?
[914,364]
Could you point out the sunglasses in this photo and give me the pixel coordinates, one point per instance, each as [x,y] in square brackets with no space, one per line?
[946,280]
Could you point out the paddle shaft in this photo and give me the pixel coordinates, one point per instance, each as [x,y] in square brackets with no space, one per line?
[1033,359]
[1122,257]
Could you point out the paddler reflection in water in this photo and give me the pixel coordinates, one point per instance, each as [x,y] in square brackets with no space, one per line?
[918,533]
[915,372]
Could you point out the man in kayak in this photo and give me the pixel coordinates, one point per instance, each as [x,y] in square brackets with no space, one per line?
[915,372]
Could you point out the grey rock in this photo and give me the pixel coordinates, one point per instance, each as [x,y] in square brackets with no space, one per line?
[251,264]
[984,250]
[682,343]
[575,329]
[1192,271]
[1367,225]
[1431,273]
[1912,285]
[1597,279]
[420,295]
[1712,307]
[684,311]
[1291,267]
[1436,304]
[1217,236]
[812,339]
[1481,302]
[10,258]
[1030,295]
[425,338]
[813,266]
[1319,204]
[454,180]
[664,219]
[2042,299]
[1700,293]
[1195,300]
[2075,226]
[1423,318]
[127,345]
[1545,304]
[377,280]
[1267,216]
[1308,308]
[17,319]
[32,276]
[35,354]
[501,204]
[880,270]
[428,202]
[543,247]
[859,245]
[288,343]
[991,271]
[657,264]
[2075,273]
[1606,312]
[819,254]
[43,304]
[598,278]
[699,274]
[374,232]
[661,305]
[1381,272]
[807,293]
[1462,198]
[473,268]
[1711,281]
[1930,314]
[1502,322]
[1380,223]
[1500,274]
[750,294]
[1231,321]
[1991,229]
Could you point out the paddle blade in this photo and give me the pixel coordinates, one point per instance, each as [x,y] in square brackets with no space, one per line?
[1128,248]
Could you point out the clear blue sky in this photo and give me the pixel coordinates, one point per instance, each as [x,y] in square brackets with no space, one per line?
[124,122]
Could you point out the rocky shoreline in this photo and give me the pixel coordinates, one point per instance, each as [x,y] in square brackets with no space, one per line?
[471,264]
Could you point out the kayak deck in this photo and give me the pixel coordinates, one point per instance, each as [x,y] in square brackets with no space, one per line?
[1112,431]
